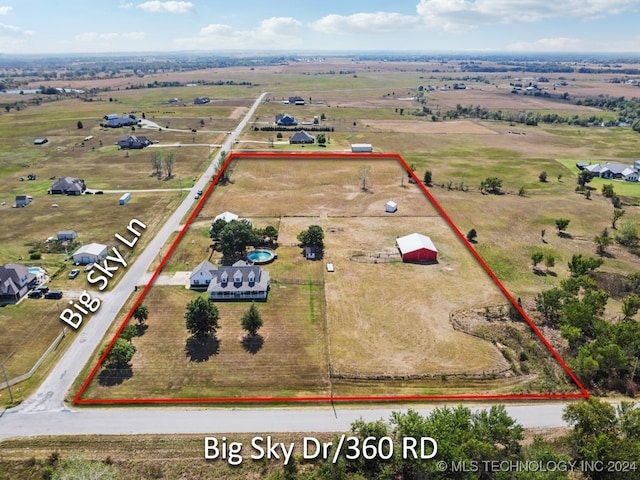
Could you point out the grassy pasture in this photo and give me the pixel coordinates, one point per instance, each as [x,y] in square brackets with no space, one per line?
[399,311]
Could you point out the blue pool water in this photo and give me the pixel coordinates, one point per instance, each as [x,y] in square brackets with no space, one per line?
[260,256]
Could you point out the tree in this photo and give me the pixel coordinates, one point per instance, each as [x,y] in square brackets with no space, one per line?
[169,162]
[584,177]
[216,228]
[536,258]
[120,354]
[561,225]
[323,116]
[156,161]
[522,192]
[80,125]
[630,306]
[279,135]
[542,234]
[491,185]
[141,313]
[627,234]
[617,215]
[428,177]
[236,236]
[271,232]
[616,201]
[543,176]
[471,235]
[602,241]
[549,261]
[365,171]
[201,317]
[579,265]
[321,139]
[549,304]
[251,321]
[312,237]
[128,332]
[607,190]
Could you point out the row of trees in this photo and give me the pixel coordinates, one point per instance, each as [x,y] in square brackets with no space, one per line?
[163,162]
[202,318]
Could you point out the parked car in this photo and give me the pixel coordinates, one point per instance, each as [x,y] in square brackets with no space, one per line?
[74,273]
[98,192]
[53,294]
[88,267]
[35,294]
[42,288]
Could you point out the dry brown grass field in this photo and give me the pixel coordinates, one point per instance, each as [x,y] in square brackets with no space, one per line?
[375,326]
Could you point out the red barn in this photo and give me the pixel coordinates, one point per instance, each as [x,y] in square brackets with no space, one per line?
[417,248]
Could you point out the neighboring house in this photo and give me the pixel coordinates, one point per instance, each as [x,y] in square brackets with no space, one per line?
[201,100]
[239,282]
[636,165]
[391,207]
[23,200]
[417,248]
[581,165]
[226,216]
[90,253]
[126,121]
[614,171]
[67,235]
[301,137]
[297,100]
[40,141]
[15,282]
[286,120]
[133,142]
[68,186]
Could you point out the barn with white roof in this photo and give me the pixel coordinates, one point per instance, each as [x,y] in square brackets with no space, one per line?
[417,248]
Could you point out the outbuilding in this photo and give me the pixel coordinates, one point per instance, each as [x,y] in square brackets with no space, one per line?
[361,148]
[391,207]
[417,248]
[226,216]
[124,199]
[67,235]
[90,253]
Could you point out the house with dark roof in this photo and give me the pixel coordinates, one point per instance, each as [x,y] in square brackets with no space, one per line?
[240,282]
[126,121]
[296,100]
[615,171]
[133,142]
[68,186]
[67,235]
[15,283]
[286,120]
[201,100]
[301,137]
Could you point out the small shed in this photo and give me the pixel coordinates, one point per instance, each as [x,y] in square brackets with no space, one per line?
[417,248]
[391,207]
[310,253]
[23,200]
[361,148]
[125,198]
[66,235]
[40,141]
[90,253]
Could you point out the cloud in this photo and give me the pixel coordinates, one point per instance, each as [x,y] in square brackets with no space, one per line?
[156,6]
[463,15]
[100,37]
[5,10]
[378,22]
[13,31]
[558,44]
[275,32]
[125,4]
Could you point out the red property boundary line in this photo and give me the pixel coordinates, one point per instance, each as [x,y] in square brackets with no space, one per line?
[375,398]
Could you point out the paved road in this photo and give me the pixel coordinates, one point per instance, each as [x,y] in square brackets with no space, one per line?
[123,421]
[50,395]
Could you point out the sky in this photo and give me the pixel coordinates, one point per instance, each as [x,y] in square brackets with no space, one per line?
[113,26]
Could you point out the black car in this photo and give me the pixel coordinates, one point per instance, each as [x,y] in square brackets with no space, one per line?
[42,289]
[35,293]
[53,294]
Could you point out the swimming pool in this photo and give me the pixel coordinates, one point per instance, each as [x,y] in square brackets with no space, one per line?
[259,256]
